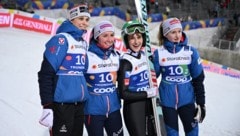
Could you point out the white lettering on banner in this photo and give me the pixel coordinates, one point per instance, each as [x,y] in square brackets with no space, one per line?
[18,21]
[4,19]
[104,90]
[37,25]
[32,24]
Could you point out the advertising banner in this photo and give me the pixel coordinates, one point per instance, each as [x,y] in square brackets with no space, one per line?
[5,19]
[32,24]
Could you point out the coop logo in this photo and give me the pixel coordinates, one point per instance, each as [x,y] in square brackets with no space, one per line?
[180,79]
[104,90]
[142,88]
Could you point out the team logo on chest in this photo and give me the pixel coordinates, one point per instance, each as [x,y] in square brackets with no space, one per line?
[61,41]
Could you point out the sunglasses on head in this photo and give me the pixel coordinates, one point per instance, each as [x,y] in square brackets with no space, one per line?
[132,29]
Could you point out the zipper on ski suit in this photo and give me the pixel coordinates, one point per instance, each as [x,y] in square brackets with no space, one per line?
[176,92]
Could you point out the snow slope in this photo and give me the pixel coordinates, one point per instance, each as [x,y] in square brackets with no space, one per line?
[21,55]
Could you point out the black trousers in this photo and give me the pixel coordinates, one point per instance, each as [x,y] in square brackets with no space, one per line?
[68,119]
[138,118]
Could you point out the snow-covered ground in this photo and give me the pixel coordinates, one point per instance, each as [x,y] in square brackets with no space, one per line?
[21,55]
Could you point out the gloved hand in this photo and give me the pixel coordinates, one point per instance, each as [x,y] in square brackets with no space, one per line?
[200,113]
[152,92]
[47,118]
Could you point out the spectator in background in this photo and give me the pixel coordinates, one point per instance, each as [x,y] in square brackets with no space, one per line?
[235,18]
[148,6]
[102,4]
[194,2]
[152,1]
[63,89]
[179,3]
[29,7]
[117,3]
[156,7]
[8,4]
[216,10]
[189,18]
[168,10]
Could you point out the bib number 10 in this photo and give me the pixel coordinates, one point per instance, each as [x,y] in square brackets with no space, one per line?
[80,59]
[106,78]
[178,71]
[144,76]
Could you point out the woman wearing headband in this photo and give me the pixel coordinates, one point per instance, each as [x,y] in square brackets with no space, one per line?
[102,109]
[182,77]
[63,89]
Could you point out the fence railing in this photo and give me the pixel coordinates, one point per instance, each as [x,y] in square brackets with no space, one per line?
[227,45]
[221,44]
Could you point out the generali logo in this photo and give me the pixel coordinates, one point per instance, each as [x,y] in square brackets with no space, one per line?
[33,24]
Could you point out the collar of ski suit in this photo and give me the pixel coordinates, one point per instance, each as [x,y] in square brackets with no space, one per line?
[68,27]
[104,54]
[173,47]
[135,54]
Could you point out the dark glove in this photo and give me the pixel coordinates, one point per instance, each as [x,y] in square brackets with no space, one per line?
[200,113]
[151,58]
[48,106]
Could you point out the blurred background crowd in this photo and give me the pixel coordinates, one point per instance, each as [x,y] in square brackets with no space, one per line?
[193,14]
[186,10]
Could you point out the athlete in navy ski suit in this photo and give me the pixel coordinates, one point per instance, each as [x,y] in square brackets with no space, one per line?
[102,109]
[62,84]
[182,79]
[133,82]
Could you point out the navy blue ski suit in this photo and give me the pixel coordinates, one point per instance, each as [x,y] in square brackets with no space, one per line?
[181,84]
[61,79]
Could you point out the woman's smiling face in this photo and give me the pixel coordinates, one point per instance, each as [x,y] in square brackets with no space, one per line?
[135,41]
[106,40]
